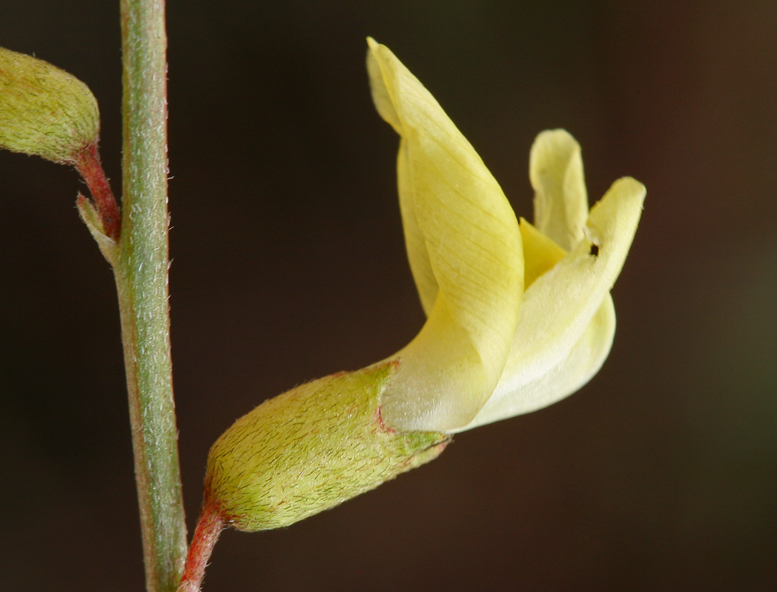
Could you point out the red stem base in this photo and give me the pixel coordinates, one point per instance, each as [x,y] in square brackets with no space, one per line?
[91,169]
[209,527]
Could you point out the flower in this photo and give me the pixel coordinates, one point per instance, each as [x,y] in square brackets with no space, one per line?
[518,317]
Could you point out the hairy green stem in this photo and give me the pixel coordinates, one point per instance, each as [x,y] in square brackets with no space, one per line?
[141,268]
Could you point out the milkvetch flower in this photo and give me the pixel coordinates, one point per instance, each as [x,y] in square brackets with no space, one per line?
[519,315]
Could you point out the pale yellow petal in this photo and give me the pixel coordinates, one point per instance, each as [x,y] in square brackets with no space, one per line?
[560,198]
[461,228]
[540,253]
[567,377]
[415,242]
[555,326]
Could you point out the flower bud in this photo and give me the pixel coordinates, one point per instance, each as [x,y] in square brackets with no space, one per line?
[311,449]
[44,111]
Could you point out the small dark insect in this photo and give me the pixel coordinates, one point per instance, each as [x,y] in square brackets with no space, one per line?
[594,250]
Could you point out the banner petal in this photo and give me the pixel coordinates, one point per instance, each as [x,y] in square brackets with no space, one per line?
[460,230]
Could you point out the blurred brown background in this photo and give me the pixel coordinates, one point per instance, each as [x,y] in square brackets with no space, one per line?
[289,264]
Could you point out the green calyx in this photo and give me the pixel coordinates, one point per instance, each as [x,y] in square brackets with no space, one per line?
[44,111]
[311,449]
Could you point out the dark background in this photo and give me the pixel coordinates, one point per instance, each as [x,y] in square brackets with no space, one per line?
[289,264]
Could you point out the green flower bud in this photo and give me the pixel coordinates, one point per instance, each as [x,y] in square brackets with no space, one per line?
[310,449]
[44,111]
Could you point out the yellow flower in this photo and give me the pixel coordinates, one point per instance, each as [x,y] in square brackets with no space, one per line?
[519,316]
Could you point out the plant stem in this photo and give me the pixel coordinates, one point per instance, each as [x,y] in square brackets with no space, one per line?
[90,168]
[141,278]
[209,527]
